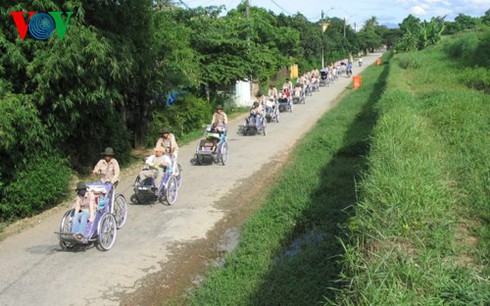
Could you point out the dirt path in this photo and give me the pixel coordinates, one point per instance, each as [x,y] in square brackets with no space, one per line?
[35,271]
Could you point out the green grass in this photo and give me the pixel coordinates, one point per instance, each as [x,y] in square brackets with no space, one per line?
[314,196]
[421,234]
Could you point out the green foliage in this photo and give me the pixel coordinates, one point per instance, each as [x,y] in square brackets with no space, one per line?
[463,47]
[409,61]
[40,184]
[460,23]
[188,114]
[477,78]
[419,35]
[472,50]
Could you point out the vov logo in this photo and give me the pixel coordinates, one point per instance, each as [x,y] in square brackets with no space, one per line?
[41,25]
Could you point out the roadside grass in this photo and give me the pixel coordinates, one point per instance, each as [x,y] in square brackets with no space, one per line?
[288,251]
[421,231]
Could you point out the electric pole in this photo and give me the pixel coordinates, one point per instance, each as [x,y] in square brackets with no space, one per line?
[344,27]
[247,8]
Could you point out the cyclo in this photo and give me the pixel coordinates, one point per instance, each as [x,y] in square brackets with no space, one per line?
[149,190]
[213,145]
[111,215]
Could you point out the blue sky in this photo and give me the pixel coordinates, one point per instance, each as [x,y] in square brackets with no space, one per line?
[389,12]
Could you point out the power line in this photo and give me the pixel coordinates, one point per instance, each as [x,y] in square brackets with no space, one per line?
[283,10]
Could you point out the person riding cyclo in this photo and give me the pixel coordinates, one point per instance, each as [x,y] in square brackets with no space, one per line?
[220,120]
[108,168]
[272,93]
[155,166]
[288,85]
[169,144]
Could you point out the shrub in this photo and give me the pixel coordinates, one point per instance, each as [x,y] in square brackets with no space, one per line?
[187,114]
[477,78]
[463,47]
[39,185]
[409,60]
[481,56]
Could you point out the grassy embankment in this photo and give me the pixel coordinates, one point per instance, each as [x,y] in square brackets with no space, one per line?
[421,235]
[288,250]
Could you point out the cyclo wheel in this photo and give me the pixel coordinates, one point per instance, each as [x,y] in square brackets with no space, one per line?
[106,232]
[120,210]
[65,227]
[224,153]
[199,159]
[171,191]
[179,177]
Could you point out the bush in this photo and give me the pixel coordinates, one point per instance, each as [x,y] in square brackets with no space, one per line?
[189,113]
[481,56]
[472,48]
[477,78]
[39,185]
[463,47]
[409,60]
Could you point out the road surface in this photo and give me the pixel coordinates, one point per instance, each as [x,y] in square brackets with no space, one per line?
[36,271]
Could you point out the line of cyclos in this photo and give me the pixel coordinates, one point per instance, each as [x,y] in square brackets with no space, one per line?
[267,108]
[161,177]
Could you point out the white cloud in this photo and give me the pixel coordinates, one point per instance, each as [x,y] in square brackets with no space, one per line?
[441,2]
[477,1]
[419,10]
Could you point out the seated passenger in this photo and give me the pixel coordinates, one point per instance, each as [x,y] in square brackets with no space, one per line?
[270,104]
[286,93]
[84,206]
[283,98]
[155,165]
[255,114]
[297,92]
[214,136]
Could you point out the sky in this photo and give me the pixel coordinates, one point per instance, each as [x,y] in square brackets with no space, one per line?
[388,12]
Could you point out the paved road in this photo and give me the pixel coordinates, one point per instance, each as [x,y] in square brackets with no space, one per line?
[35,271]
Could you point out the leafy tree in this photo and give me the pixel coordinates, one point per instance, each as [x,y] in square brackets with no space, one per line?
[485,19]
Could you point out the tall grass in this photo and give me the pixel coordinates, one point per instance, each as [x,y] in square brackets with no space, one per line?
[288,250]
[421,231]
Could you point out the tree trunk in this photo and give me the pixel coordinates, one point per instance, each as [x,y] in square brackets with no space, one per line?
[141,123]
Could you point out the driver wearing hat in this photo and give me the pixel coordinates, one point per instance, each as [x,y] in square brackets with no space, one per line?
[219,117]
[107,167]
[168,142]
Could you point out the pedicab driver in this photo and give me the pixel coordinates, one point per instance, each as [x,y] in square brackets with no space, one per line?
[219,117]
[84,207]
[155,165]
[169,144]
[219,120]
[108,168]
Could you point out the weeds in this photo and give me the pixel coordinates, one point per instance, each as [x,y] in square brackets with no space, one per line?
[421,232]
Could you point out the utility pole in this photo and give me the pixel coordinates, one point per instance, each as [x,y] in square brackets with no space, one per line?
[247,8]
[344,27]
[323,33]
